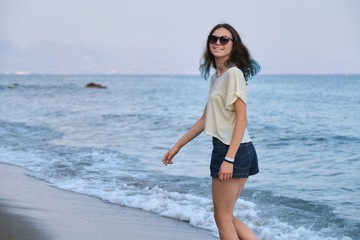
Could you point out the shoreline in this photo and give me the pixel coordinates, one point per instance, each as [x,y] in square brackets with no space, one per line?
[31,209]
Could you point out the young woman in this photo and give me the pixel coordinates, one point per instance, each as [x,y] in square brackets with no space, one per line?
[224,118]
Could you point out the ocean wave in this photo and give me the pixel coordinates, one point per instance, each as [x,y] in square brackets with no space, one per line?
[198,210]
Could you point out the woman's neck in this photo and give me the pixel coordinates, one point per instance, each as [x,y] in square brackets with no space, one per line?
[220,68]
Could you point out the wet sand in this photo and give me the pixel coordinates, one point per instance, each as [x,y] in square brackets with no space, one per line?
[31,209]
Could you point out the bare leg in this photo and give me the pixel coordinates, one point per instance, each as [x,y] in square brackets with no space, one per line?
[242,230]
[225,195]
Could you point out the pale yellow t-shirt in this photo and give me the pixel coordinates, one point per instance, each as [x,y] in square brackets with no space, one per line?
[220,115]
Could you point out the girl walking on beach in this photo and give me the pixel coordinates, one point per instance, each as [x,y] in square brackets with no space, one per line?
[224,118]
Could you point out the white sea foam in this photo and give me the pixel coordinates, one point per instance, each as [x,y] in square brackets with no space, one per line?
[198,211]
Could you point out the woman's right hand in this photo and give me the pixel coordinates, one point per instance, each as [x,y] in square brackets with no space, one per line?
[167,159]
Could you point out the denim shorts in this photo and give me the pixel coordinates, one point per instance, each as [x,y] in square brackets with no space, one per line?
[245,164]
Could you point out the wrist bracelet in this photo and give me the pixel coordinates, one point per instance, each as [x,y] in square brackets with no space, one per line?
[229,160]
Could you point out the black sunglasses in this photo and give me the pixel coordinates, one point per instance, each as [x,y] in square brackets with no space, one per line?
[223,39]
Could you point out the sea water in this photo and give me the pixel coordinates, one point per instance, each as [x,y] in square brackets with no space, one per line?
[108,143]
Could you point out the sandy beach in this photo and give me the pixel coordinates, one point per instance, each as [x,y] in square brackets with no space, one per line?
[31,209]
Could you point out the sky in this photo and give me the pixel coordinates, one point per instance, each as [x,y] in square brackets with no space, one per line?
[284,36]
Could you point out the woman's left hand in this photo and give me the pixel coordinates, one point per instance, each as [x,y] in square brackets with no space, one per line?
[226,171]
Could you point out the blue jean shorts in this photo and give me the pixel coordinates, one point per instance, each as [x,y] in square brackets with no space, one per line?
[245,164]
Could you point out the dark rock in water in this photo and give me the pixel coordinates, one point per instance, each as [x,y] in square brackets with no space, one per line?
[94,85]
[14,85]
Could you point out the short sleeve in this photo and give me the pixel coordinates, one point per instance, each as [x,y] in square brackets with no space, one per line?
[236,88]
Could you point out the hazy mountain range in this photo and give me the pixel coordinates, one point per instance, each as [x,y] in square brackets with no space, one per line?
[53,58]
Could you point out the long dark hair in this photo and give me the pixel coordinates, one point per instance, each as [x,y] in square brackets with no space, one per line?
[240,56]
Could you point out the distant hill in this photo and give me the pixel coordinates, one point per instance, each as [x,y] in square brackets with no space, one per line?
[53,58]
